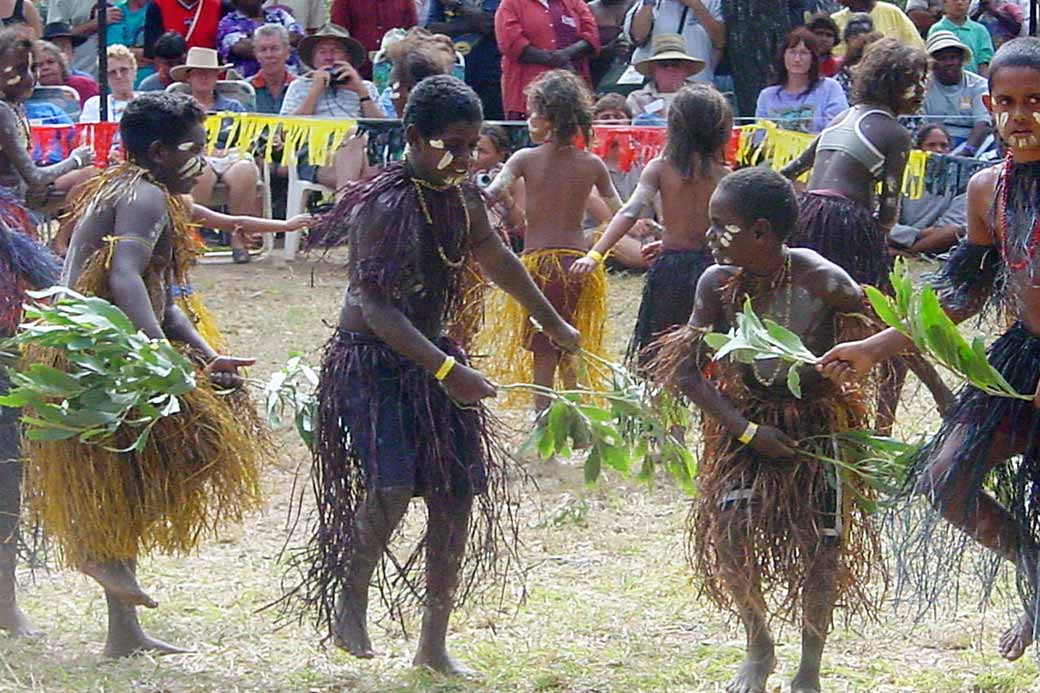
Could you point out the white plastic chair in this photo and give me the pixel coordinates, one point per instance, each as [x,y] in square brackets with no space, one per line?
[296,203]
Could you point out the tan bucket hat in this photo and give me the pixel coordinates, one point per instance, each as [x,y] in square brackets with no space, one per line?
[669,47]
[198,58]
[332,31]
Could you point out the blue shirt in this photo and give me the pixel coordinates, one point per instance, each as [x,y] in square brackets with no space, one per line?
[130,33]
[483,61]
[47,113]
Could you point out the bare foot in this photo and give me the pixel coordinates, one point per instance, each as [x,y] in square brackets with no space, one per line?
[1017,639]
[14,621]
[806,684]
[117,648]
[444,663]
[117,579]
[751,678]
[352,636]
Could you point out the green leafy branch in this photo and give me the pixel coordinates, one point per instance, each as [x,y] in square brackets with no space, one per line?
[290,394]
[917,313]
[754,339]
[116,375]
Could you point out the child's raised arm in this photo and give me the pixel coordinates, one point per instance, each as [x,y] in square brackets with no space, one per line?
[209,218]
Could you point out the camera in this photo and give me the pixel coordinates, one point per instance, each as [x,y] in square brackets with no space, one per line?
[483,179]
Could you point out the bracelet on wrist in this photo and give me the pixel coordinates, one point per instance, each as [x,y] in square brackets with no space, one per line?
[595,256]
[79,162]
[749,433]
[365,98]
[445,369]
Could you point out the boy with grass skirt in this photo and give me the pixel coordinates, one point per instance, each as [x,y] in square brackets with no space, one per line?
[399,409]
[965,470]
[770,514]
[104,503]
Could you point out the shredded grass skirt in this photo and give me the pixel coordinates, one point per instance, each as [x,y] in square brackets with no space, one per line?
[201,318]
[508,336]
[456,453]
[846,233]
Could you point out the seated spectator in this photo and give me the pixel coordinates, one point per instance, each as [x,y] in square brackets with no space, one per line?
[333,89]
[889,21]
[80,18]
[167,53]
[235,34]
[955,93]
[827,34]
[272,49]
[1003,20]
[472,24]
[414,58]
[122,69]
[970,33]
[924,13]
[934,223]
[859,33]
[195,20]
[801,99]
[309,14]
[61,36]
[699,22]
[129,32]
[537,37]
[666,70]
[52,71]
[367,21]
[240,174]
[24,13]
[492,152]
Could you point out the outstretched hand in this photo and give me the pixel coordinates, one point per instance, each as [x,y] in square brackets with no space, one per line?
[466,385]
[847,360]
[300,221]
[223,370]
[583,266]
[651,250]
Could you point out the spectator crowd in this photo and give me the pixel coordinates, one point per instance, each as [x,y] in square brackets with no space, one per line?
[789,61]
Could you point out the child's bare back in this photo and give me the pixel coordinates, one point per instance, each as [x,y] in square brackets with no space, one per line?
[684,203]
[557,181]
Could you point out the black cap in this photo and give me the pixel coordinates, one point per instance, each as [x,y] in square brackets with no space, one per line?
[61,30]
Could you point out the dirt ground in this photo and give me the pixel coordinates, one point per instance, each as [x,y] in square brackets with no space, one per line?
[610,604]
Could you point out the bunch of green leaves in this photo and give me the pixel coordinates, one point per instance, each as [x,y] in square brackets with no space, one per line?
[879,462]
[917,313]
[290,393]
[627,428]
[753,339]
[117,377]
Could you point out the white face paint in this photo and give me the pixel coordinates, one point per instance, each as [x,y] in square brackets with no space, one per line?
[1002,120]
[445,161]
[437,144]
[733,229]
[11,81]
[9,68]
[190,168]
[185,146]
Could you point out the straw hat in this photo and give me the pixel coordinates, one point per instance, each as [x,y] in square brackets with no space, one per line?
[332,31]
[198,59]
[669,47]
[943,39]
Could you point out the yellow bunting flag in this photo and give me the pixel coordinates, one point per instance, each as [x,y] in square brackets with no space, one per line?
[320,136]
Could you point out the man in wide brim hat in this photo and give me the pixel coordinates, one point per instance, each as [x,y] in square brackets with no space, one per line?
[332,32]
[669,49]
[198,59]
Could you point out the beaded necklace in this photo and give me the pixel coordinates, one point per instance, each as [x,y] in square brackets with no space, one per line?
[419,185]
[782,276]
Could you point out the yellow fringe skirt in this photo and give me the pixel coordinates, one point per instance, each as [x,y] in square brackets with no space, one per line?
[508,335]
[198,469]
[201,319]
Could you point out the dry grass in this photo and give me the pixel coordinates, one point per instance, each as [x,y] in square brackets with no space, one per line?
[610,604]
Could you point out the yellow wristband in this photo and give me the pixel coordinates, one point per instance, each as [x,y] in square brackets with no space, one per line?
[445,368]
[749,433]
[594,255]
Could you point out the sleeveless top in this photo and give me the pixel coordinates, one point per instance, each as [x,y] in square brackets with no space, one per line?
[17,15]
[846,136]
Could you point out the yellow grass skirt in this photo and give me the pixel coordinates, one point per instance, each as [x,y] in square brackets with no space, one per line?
[201,319]
[507,333]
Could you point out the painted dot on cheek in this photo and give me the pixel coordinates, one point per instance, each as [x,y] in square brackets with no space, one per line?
[445,161]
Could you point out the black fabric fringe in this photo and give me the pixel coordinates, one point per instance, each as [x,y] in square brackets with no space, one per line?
[669,293]
[969,276]
[930,553]
[24,263]
[353,363]
[846,233]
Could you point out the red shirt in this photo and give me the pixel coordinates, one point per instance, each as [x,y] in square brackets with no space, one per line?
[368,20]
[177,18]
[86,87]
[830,66]
[523,23]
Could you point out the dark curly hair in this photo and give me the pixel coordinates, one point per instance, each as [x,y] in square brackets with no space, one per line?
[812,44]
[759,192]
[612,102]
[438,101]
[888,69]
[162,116]
[1020,52]
[562,98]
[499,137]
[700,123]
